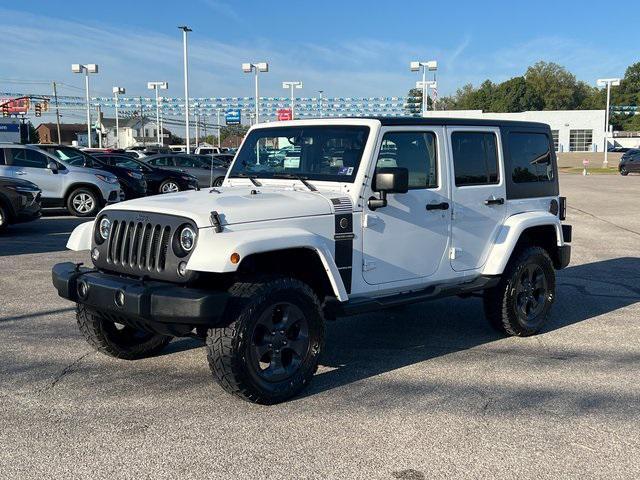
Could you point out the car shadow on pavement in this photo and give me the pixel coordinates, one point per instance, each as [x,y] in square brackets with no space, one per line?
[367,345]
[47,234]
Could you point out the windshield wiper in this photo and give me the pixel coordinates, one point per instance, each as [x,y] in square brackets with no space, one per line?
[250,177]
[296,177]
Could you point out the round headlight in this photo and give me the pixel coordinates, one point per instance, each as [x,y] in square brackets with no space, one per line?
[105,228]
[187,238]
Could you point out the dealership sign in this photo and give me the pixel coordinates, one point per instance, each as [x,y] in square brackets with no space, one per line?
[233,117]
[15,106]
[284,114]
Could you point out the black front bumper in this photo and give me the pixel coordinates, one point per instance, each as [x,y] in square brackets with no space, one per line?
[161,307]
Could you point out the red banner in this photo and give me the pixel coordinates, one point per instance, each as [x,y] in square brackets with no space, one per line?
[18,106]
[284,114]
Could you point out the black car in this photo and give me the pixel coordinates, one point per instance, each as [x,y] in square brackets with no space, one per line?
[19,201]
[132,183]
[630,162]
[209,171]
[159,180]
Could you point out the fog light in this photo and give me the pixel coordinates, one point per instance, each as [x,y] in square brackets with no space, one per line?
[120,298]
[83,289]
[95,254]
[182,269]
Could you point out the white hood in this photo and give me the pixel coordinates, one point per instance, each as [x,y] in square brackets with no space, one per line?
[235,204]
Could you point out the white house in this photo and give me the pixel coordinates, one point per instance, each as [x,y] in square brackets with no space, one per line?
[131,132]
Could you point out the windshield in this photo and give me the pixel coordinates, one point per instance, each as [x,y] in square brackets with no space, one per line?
[330,153]
[74,157]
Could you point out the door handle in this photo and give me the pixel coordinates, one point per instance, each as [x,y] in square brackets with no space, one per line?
[494,201]
[438,206]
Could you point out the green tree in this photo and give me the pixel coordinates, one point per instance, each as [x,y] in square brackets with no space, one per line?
[515,95]
[555,85]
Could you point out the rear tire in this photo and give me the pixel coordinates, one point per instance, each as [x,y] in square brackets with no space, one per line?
[270,349]
[83,202]
[624,172]
[520,304]
[117,341]
[218,182]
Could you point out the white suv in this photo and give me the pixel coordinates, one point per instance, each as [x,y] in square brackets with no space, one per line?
[82,191]
[357,215]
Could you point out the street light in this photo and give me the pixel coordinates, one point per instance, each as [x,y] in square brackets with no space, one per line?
[424,86]
[117,91]
[256,67]
[186,30]
[157,86]
[87,69]
[607,82]
[432,66]
[292,85]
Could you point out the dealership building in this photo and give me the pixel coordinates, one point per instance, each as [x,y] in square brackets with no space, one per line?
[572,130]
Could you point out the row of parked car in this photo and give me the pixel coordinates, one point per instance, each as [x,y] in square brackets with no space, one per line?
[83,181]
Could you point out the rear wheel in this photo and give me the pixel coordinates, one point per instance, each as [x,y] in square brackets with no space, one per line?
[83,203]
[169,186]
[270,349]
[520,304]
[115,339]
[624,172]
[218,182]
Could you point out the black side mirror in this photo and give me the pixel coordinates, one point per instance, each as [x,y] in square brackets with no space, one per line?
[388,180]
[53,166]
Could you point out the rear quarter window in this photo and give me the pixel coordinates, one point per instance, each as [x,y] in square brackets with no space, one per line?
[530,157]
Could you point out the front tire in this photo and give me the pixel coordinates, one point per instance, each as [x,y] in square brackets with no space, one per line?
[115,340]
[83,203]
[218,182]
[270,349]
[169,186]
[624,172]
[520,304]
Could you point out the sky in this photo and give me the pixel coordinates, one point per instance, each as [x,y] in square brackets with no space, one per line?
[346,48]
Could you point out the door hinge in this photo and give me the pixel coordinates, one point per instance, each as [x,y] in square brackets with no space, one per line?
[367,266]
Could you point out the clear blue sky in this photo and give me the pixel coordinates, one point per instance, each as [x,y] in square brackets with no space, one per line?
[347,48]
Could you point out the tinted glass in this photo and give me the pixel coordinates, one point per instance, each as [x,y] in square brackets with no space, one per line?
[28,158]
[331,153]
[530,157]
[475,158]
[187,162]
[122,161]
[71,156]
[162,162]
[415,151]
[1,156]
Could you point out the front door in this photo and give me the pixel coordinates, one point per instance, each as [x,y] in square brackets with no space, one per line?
[408,238]
[31,165]
[478,193]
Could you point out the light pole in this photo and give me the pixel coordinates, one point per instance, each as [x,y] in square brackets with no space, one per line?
[432,66]
[218,122]
[607,82]
[87,69]
[117,91]
[292,86]
[321,106]
[186,30]
[425,85]
[158,86]
[256,67]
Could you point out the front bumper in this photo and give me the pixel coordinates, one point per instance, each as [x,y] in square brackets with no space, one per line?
[161,307]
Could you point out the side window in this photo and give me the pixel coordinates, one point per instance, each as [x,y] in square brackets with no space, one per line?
[475,158]
[415,151]
[28,158]
[163,162]
[530,157]
[2,156]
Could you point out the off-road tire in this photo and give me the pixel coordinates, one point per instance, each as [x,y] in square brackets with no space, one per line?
[500,302]
[127,343]
[229,348]
[83,192]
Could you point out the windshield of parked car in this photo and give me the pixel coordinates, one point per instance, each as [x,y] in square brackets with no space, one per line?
[330,153]
[124,161]
[74,157]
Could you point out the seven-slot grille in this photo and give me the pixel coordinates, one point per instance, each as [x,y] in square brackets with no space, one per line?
[139,245]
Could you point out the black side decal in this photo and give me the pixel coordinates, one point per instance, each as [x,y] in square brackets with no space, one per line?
[344,247]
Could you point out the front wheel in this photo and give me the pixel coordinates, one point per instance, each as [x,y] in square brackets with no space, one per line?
[169,186]
[624,172]
[218,182]
[520,304]
[115,339]
[270,349]
[83,203]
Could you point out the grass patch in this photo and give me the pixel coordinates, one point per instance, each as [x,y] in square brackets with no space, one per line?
[591,170]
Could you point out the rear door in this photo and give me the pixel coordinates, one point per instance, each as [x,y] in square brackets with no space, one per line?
[478,194]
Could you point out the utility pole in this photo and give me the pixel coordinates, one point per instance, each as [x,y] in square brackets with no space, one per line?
[55,96]
[99,132]
[197,129]
[218,113]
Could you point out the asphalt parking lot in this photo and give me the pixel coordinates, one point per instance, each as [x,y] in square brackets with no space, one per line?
[427,391]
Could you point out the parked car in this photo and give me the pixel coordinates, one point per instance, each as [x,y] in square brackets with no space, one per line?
[131,181]
[208,170]
[178,148]
[207,150]
[135,153]
[259,267]
[226,158]
[630,162]
[83,191]
[20,201]
[619,149]
[159,180]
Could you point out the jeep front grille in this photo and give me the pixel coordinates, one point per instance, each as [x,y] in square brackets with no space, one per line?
[138,245]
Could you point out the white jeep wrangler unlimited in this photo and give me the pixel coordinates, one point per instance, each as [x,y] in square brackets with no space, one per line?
[322,218]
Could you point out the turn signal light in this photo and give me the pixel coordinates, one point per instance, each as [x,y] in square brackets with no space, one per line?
[235,258]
